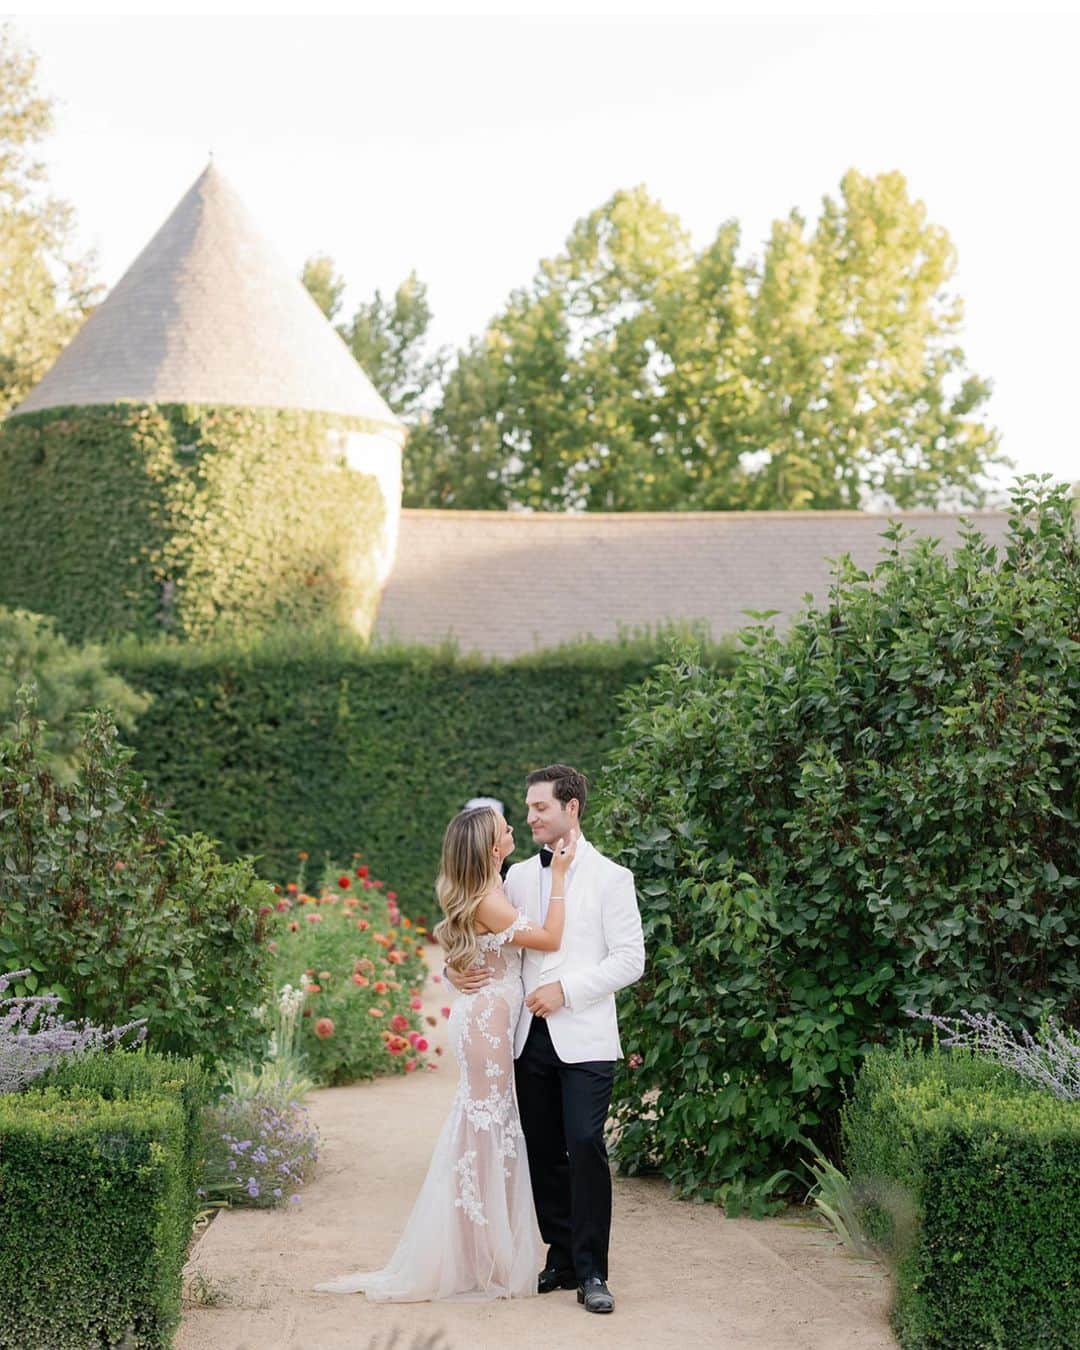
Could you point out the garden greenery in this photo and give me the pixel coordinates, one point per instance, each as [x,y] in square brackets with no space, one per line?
[315,742]
[968,1177]
[879,810]
[105,905]
[187,520]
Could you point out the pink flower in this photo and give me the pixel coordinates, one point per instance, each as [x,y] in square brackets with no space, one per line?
[375,1012]
[445,1012]
[366,885]
[313,917]
[416,1004]
[410,1064]
[437,979]
[421,1044]
[431,1064]
[634,1061]
[324,1028]
[391,895]
[282,906]
[399,1022]
[414,1036]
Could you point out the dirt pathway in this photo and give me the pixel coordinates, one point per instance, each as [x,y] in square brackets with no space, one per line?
[682,1274]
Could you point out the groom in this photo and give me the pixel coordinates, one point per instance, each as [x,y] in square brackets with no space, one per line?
[567,1037]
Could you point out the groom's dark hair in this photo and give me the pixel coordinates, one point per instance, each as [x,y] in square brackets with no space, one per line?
[566,784]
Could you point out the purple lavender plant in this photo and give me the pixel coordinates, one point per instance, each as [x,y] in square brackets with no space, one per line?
[1050,1058]
[258,1151]
[33,1035]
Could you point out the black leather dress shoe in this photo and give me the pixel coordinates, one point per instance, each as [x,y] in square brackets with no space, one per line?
[595,1295]
[551,1278]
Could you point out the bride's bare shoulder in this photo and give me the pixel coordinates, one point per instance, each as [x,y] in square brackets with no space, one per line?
[497,894]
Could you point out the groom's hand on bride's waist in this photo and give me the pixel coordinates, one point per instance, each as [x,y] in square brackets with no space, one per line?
[545,999]
[470,981]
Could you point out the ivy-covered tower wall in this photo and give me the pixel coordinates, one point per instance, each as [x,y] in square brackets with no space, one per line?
[205,457]
[189,520]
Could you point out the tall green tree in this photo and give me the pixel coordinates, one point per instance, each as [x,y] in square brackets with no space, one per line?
[47,287]
[636,374]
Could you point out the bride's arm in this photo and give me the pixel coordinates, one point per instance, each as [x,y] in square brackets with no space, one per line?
[497,914]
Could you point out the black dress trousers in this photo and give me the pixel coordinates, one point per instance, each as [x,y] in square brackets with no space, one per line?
[563,1109]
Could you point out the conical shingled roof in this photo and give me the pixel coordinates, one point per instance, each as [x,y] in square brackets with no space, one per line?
[208,313]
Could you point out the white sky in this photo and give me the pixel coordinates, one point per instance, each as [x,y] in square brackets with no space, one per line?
[466,147]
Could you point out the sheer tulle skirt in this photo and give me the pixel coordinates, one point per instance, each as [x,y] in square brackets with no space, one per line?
[472,1233]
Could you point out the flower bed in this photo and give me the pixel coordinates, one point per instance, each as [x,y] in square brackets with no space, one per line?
[360,965]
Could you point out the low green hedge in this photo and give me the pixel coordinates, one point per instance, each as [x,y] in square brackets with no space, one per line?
[95,1220]
[128,1074]
[969,1178]
[317,743]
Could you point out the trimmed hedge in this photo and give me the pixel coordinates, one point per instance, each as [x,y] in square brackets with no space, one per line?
[125,1075]
[970,1179]
[325,746]
[188,520]
[96,1220]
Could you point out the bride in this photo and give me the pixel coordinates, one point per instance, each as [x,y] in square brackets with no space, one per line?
[472,1233]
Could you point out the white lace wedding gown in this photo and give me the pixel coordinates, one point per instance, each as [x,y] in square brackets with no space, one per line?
[472,1233]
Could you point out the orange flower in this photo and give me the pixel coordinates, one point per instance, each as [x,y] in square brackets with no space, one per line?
[324,1028]
[362,924]
[294,926]
[396,957]
[302,856]
[381,986]
[361,980]
[312,989]
[350,902]
[406,923]
[375,1012]
[292,888]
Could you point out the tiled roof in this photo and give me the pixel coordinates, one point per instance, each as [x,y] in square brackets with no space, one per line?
[208,313]
[503,583]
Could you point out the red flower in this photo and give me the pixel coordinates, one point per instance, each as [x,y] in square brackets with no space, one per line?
[446,1012]
[399,1022]
[282,906]
[391,895]
[344,883]
[362,870]
[324,1028]
[362,924]
[420,1044]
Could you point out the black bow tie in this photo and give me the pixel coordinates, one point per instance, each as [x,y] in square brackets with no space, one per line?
[546,855]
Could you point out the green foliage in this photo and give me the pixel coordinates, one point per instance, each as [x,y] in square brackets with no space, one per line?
[96,1220]
[69,680]
[189,521]
[390,341]
[637,374]
[115,912]
[317,743]
[359,971]
[970,1178]
[879,810]
[126,1075]
[46,288]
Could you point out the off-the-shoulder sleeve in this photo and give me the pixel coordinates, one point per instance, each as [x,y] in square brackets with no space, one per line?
[520,925]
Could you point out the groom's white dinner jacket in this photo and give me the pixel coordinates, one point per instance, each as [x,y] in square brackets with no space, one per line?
[602,951]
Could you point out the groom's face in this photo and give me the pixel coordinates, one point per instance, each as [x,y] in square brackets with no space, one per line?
[547,817]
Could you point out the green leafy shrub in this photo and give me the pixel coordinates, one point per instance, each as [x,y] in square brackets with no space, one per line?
[360,964]
[124,1075]
[118,915]
[878,810]
[187,520]
[969,1177]
[69,679]
[96,1220]
[319,739]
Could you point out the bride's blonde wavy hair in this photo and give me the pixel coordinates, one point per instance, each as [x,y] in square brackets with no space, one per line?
[467,872]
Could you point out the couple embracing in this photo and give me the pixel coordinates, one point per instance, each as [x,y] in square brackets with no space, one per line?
[537,963]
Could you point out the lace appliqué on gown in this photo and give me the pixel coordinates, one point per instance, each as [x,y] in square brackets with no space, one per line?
[472,1233]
